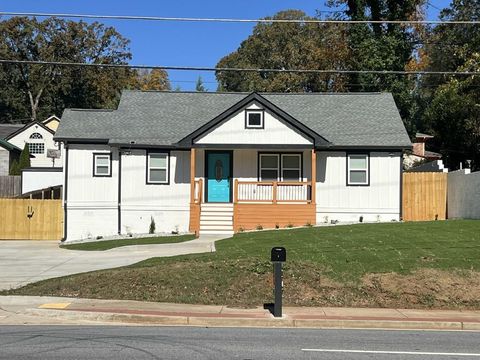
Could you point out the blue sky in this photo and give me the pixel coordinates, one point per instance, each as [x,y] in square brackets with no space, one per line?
[179,43]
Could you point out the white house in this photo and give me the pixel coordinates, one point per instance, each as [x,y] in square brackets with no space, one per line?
[38,136]
[226,162]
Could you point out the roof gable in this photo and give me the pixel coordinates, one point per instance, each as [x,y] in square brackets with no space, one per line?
[26,127]
[266,105]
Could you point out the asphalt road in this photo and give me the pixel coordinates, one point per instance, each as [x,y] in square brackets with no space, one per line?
[121,342]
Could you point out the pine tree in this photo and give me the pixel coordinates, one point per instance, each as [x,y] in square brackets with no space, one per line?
[14,169]
[199,86]
[24,161]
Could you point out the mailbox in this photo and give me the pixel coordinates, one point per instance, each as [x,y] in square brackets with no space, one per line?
[279,254]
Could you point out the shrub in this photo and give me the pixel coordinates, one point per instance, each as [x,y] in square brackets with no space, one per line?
[151,230]
[14,169]
[259,227]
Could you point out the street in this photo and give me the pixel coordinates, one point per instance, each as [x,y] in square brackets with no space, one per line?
[121,342]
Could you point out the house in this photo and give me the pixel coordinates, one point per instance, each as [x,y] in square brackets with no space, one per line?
[8,154]
[419,154]
[38,135]
[218,163]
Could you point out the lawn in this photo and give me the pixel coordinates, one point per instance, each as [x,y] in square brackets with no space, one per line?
[428,264]
[110,244]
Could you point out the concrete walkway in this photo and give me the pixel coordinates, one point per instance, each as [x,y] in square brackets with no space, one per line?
[51,310]
[23,262]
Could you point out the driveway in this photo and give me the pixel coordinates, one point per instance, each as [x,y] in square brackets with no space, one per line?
[23,262]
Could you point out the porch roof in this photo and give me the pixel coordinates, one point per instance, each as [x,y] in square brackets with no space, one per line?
[151,118]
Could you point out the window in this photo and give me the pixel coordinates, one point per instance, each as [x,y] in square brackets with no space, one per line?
[35,144]
[158,168]
[358,169]
[254,119]
[280,167]
[36,148]
[291,167]
[102,164]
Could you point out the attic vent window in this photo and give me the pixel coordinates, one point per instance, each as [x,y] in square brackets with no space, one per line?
[254,119]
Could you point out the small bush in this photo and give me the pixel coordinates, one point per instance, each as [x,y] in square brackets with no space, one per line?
[151,230]
[277,226]
[241,229]
[289,225]
[308,224]
[259,227]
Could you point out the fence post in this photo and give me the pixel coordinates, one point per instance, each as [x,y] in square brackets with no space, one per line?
[235,191]
[274,191]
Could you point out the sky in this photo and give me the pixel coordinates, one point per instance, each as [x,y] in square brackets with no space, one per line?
[181,43]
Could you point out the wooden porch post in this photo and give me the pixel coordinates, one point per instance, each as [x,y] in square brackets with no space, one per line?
[192,175]
[314,176]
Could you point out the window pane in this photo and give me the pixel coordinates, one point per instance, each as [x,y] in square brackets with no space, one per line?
[36,148]
[358,162]
[254,119]
[102,170]
[291,175]
[158,160]
[159,175]
[269,161]
[291,161]
[358,177]
[269,175]
[103,160]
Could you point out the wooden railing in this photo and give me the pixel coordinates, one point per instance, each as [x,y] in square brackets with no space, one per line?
[272,191]
[198,191]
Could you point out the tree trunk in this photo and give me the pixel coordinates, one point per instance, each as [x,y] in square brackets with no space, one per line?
[34,103]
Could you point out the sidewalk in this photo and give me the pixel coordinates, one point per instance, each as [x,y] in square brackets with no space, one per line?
[49,310]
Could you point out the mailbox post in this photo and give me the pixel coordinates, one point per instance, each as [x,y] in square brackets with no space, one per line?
[278,256]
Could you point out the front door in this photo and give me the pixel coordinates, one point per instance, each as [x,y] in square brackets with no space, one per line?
[218,176]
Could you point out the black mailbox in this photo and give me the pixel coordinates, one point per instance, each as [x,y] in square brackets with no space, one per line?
[279,254]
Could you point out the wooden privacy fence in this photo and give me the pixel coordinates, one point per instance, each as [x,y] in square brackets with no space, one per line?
[10,186]
[31,219]
[424,196]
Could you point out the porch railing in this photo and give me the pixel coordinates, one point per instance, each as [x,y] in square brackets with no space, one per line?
[273,191]
[198,191]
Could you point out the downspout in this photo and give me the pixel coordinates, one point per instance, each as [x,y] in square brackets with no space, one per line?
[119,204]
[65,193]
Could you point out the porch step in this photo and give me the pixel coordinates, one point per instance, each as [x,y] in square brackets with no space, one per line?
[216,219]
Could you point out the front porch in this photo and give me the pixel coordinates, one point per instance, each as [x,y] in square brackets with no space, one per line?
[287,198]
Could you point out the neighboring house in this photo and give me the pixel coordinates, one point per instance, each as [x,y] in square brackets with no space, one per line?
[226,162]
[8,154]
[419,154]
[38,136]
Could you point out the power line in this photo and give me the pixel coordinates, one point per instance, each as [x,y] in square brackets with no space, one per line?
[199,68]
[233,20]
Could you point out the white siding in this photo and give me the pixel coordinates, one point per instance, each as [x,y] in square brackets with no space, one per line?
[380,201]
[169,205]
[91,201]
[4,161]
[40,160]
[233,132]
[38,179]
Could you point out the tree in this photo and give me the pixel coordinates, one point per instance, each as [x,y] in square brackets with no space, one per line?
[155,79]
[199,85]
[287,46]
[386,47]
[24,161]
[35,91]
[14,169]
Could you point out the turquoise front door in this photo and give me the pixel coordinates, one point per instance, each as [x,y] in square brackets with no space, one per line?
[218,176]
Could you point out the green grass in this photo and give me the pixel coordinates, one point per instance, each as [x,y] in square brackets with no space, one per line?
[394,264]
[110,244]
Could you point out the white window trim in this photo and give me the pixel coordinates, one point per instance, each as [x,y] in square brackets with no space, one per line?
[109,157]
[277,169]
[167,167]
[299,156]
[366,170]
[247,118]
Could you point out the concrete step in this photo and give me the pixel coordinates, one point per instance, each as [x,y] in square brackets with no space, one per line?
[219,223]
[216,216]
[216,227]
[216,232]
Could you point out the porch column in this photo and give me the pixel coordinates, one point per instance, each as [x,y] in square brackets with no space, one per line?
[314,176]
[192,175]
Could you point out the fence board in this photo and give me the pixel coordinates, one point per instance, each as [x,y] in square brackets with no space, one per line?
[424,196]
[10,186]
[44,223]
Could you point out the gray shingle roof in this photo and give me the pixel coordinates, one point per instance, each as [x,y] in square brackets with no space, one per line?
[7,129]
[164,118]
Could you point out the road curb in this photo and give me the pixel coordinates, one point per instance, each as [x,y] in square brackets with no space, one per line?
[138,319]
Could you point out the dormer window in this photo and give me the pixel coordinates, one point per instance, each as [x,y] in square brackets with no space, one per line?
[254,119]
